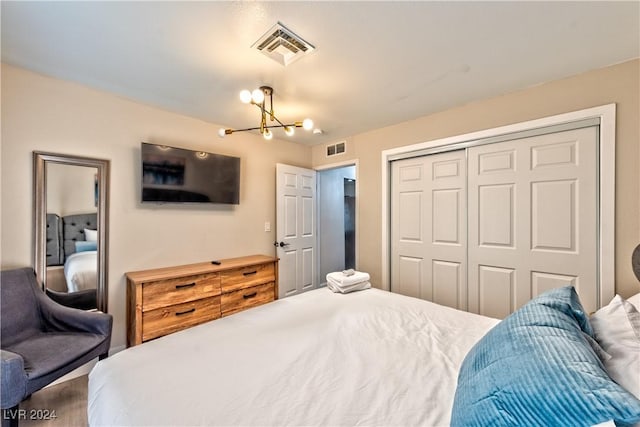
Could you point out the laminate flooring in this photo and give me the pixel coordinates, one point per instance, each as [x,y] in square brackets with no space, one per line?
[64,404]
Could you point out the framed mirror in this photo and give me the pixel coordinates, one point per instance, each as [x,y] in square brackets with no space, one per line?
[71,228]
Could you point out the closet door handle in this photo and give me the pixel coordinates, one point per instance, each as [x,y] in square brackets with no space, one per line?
[180,313]
[251,295]
[250,273]
[188,285]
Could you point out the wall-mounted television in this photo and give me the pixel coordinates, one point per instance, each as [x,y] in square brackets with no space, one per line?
[177,175]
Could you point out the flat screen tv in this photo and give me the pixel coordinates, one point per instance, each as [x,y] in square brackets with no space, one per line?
[177,175]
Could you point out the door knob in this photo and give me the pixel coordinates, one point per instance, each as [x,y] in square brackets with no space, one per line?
[281,244]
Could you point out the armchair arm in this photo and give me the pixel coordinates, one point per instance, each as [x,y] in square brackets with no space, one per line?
[84,300]
[57,317]
[13,379]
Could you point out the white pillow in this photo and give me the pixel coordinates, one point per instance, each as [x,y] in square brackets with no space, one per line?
[635,300]
[617,330]
[90,235]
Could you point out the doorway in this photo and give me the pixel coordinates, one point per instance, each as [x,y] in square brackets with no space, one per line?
[336,220]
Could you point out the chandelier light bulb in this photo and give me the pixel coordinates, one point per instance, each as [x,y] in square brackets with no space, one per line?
[257,96]
[222,132]
[289,130]
[307,124]
[245,96]
[267,134]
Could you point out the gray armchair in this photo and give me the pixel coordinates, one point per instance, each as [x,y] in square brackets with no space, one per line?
[42,340]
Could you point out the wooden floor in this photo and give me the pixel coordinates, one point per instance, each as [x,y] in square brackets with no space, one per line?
[63,404]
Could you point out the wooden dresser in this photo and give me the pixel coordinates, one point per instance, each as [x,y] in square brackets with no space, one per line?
[166,300]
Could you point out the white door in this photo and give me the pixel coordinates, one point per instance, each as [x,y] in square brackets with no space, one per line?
[296,229]
[533,220]
[429,228]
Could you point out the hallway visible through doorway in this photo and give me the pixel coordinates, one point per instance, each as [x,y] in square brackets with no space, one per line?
[336,220]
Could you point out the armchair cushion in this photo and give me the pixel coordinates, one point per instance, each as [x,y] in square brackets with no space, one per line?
[40,360]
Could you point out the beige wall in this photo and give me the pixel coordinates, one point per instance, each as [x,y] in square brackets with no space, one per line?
[70,189]
[46,114]
[616,84]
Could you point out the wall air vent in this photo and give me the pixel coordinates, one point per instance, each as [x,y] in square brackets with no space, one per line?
[337,148]
[282,45]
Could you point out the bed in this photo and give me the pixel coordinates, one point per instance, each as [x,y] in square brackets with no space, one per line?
[320,358]
[313,359]
[71,242]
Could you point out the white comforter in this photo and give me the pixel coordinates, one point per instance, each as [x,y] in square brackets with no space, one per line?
[320,358]
[80,271]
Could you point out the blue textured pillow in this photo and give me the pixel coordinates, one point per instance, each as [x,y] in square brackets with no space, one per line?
[83,246]
[539,367]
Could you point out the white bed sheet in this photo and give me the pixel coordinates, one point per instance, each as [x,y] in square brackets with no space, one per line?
[80,271]
[320,358]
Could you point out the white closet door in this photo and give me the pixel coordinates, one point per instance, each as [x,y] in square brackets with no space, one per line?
[533,220]
[428,228]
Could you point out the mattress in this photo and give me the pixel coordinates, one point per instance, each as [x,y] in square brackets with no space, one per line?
[80,271]
[319,358]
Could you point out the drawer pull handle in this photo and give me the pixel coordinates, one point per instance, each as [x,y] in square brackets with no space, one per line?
[180,313]
[251,295]
[250,273]
[188,285]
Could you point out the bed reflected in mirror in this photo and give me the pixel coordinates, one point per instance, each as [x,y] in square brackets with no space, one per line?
[71,229]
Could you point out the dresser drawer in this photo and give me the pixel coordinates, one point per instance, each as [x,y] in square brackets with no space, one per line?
[245,277]
[242,299]
[163,293]
[166,320]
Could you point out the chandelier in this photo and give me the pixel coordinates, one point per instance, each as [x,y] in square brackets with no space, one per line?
[259,98]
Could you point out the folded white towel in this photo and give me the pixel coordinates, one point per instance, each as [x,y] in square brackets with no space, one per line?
[344,289]
[341,279]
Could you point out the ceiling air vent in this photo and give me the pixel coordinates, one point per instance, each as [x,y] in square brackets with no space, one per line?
[337,148]
[282,45]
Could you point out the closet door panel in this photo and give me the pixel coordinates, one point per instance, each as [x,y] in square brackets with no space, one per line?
[446,282]
[533,211]
[447,236]
[446,216]
[497,290]
[496,215]
[409,270]
[428,228]
[408,227]
[553,215]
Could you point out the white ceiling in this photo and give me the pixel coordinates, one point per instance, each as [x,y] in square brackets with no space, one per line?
[375,63]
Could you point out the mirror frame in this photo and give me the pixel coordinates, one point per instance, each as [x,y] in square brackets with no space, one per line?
[40,161]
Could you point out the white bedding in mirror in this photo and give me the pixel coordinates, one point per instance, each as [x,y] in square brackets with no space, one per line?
[319,358]
[80,271]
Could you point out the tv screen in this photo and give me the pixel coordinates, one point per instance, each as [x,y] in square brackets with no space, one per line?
[177,175]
